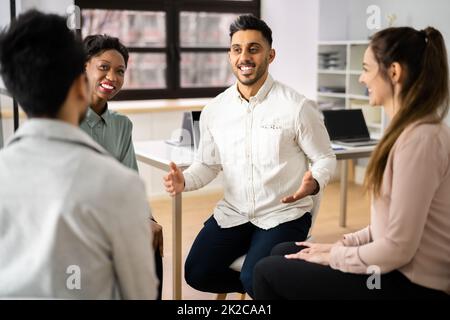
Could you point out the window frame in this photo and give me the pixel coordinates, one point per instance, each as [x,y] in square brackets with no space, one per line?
[172,49]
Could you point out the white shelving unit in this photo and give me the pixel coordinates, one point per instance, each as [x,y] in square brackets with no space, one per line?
[340,65]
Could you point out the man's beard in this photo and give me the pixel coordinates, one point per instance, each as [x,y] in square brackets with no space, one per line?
[248,82]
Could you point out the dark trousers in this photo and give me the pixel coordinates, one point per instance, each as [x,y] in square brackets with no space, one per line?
[276,277]
[159,272]
[215,248]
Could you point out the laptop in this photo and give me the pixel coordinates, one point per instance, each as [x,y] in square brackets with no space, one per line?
[189,133]
[348,127]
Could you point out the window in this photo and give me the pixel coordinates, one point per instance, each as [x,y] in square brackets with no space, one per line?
[178,48]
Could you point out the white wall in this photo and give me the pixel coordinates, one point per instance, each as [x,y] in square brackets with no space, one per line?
[48,6]
[4,13]
[346,19]
[417,13]
[295,28]
[333,19]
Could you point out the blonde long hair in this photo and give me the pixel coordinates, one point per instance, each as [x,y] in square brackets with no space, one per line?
[425,88]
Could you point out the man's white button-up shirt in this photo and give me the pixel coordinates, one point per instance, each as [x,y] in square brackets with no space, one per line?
[264,146]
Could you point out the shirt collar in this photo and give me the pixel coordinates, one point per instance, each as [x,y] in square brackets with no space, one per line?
[92,118]
[262,92]
[52,129]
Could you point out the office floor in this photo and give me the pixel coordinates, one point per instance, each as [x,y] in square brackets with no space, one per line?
[197,209]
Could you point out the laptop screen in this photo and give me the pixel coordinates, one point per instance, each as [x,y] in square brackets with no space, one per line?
[345,124]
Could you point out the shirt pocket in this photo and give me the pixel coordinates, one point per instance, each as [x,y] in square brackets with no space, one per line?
[268,140]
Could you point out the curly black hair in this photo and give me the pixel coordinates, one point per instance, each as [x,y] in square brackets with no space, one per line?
[98,43]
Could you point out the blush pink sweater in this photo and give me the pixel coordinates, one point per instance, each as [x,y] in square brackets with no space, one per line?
[409,229]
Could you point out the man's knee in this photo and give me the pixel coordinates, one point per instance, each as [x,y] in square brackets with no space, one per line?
[195,279]
[246,278]
[200,275]
[194,273]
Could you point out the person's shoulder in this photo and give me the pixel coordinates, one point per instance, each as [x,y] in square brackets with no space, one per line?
[291,100]
[121,123]
[119,118]
[106,174]
[103,187]
[426,136]
[222,98]
[289,94]
[424,130]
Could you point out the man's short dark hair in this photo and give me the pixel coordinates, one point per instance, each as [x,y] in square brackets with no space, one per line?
[98,43]
[39,60]
[250,22]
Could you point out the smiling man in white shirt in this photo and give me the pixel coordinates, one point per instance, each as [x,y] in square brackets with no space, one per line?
[264,136]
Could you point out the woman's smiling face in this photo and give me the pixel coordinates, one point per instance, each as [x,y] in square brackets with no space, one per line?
[106,72]
[380,90]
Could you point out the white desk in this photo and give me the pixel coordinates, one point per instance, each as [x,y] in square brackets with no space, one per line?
[159,154]
[345,154]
